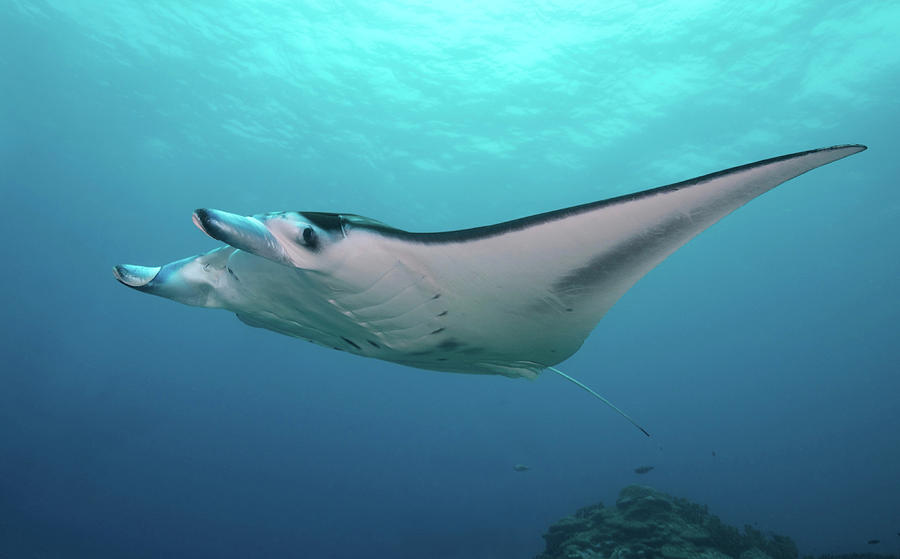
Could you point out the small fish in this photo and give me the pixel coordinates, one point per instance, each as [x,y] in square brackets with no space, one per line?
[643,469]
[521,468]
[873,542]
[714,453]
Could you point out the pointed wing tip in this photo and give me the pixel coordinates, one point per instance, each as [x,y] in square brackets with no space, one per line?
[849,148]
[857,147]
[836,153]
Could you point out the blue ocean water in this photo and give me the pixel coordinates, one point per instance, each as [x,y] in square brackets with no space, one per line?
[763,356]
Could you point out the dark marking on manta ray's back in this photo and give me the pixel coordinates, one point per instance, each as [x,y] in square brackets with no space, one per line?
[448,344]
[598,269]
[351,342]
[515,298]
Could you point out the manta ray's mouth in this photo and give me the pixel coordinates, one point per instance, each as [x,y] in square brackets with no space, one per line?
[135,276]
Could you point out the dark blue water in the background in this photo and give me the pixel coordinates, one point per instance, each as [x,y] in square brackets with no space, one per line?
[131,426]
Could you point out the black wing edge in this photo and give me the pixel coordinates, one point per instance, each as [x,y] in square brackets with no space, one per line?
[482,232]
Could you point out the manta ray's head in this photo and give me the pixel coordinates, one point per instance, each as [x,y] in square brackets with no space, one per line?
[288,239]
[291,238]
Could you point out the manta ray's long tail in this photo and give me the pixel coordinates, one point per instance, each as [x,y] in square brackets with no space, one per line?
[602,399]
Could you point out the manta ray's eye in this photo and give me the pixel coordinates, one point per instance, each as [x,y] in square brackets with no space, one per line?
[309,236]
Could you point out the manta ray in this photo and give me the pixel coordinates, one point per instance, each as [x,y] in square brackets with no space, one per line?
[513,298]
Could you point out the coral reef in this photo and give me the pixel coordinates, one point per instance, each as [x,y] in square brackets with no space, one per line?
[648,524]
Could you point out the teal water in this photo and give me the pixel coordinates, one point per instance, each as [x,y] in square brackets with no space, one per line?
[134,427]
